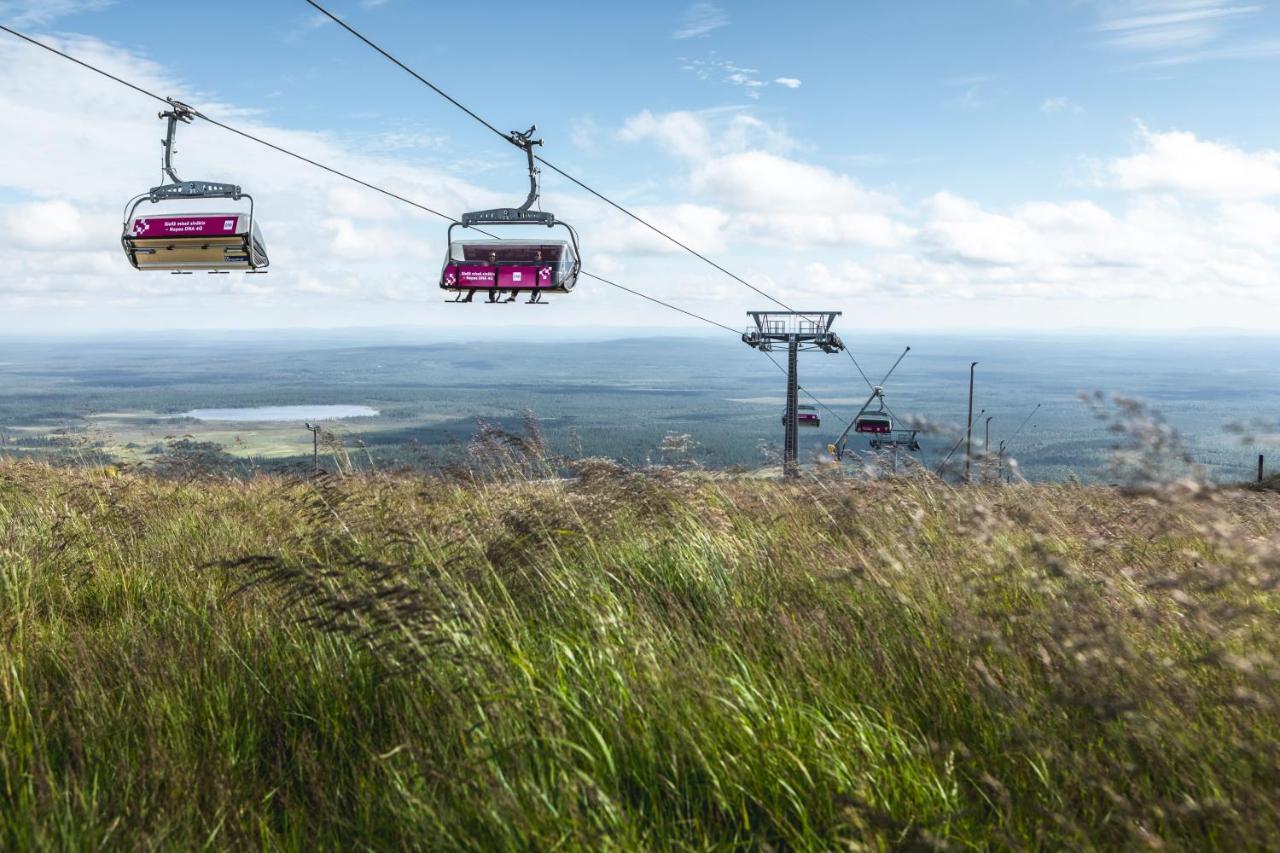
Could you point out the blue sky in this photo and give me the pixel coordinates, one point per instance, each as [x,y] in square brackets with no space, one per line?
[989,159]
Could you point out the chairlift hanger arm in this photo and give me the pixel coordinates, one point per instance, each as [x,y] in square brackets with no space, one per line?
[525,142]
[180,112]
[177,112]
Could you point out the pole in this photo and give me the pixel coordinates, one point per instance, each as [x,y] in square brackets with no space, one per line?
[790,468]
[986,451]
[1261,459]
[968,437]
[315,447]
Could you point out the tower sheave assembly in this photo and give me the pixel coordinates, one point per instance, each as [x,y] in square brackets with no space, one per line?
[799,331]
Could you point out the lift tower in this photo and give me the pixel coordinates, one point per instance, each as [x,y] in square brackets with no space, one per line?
[800,331]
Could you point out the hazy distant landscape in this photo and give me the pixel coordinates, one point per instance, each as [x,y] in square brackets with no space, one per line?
[95,400]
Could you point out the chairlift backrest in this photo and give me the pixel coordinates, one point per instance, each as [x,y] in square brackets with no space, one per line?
[877,423]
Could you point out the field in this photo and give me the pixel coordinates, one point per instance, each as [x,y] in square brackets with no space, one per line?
[112,400]
[502,659]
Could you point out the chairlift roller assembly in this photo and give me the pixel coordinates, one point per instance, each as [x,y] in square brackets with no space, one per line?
[505,268]
[182,242]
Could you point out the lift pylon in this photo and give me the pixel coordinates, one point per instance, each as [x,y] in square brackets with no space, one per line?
[799,331]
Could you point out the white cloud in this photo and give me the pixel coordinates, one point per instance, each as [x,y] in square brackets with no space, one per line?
[682,133]
[1178,161]
[728,71]
[1175,32]
[846,280]
[75,130]
[762,181]
[1058,105]
[43,225]
[701,19]
[701,226]
[584,133]
[1188,224]
[739,165]
[28,13]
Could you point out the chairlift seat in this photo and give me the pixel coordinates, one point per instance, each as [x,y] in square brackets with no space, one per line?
[206,241]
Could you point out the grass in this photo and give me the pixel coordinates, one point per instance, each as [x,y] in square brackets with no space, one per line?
[626,660]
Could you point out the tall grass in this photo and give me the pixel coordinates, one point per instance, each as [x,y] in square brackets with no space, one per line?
[502,659]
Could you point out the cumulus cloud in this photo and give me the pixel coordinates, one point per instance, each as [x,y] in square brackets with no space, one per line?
[1180,221]
[1178,161]
[788,82]
[1193,220]
[82,146]
[739,164]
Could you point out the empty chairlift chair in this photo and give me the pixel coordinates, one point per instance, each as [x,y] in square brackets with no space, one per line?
[806,416]
[898,439]
[505,268]
[183,242]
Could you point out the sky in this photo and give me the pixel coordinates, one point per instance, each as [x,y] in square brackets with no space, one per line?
[1017,165]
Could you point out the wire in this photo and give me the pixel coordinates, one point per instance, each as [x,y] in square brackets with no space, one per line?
[959,442]
[861,372]
[442,93]
[655,229]
[386,192]
[660,302]
[785,372]
[1020,426]
[581,184]
[552,166]
[231,129]
[83,64]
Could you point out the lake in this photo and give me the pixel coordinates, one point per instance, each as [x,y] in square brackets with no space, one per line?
[263,414]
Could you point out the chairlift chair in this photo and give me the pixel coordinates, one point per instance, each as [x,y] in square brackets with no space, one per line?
[874,423]
[506,267]
[210,240]
[806,416]
[877,423]
[898,439]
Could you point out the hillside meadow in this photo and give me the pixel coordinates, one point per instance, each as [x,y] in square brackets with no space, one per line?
[497,659]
